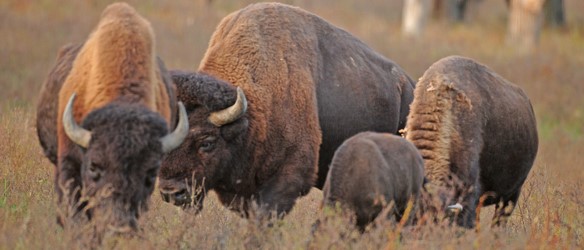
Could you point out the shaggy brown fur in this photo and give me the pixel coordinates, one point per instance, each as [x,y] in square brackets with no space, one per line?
[49,100]
[117,60]
[371,171]
[126,99]
[309,86]
[476,132]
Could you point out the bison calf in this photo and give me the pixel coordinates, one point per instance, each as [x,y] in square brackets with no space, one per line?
[477,134]
[371,170]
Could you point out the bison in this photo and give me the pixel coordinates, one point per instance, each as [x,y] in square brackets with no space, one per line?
[477,134]
[277,88]
[371,170]
[113,84]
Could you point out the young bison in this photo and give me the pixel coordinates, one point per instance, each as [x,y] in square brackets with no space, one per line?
[372,170]
[477,134]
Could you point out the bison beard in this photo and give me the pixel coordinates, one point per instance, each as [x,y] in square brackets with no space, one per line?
[309,86]
[477,134]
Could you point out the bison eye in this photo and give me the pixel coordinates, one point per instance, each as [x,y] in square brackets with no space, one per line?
[151,177]
[94,171]
[207,145]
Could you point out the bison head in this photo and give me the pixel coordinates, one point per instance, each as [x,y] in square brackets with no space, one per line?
[214,146]
[441,202]
[121,148]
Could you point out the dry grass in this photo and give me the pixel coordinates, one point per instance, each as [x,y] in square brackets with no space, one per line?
[550,210]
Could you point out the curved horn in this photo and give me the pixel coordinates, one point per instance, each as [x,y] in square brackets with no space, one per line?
[230,114]
[174,139]
[455,208]
[76,133]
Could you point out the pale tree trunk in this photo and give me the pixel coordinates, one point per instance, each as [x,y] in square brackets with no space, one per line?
[457,9]
[554,13]
[437,9]
[414,17]
[525,20]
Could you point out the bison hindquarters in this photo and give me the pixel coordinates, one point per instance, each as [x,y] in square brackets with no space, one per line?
[477,134]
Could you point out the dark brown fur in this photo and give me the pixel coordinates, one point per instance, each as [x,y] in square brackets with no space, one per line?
[371,171]
[126,99]
[48,99]
[309,86]
[477,133]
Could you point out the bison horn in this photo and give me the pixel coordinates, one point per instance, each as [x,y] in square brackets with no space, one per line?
[230,114]
[457,208]
[76,133]
[173,140]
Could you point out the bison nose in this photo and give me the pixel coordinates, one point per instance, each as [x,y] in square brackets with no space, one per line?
[181,197]
[178,198]
[165,197]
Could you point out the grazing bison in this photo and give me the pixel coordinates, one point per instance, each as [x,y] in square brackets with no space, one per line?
[277,87]
[372,170]
[107,166]
[477,134]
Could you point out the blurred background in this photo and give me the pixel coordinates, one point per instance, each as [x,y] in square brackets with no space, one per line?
[34,30]
[537,44]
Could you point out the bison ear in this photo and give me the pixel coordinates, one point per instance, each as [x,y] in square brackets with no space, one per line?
[232,130]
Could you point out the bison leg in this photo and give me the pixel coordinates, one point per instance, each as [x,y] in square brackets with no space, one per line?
[469,189]
[67,186]
[280,193]
[504,209]
[235,203]
[467,217]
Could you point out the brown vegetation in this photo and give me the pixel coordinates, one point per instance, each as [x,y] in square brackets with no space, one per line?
[550,208]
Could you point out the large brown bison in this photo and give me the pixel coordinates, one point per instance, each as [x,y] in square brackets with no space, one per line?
[278,87]
[477,134]
[370,171]
[107,166]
